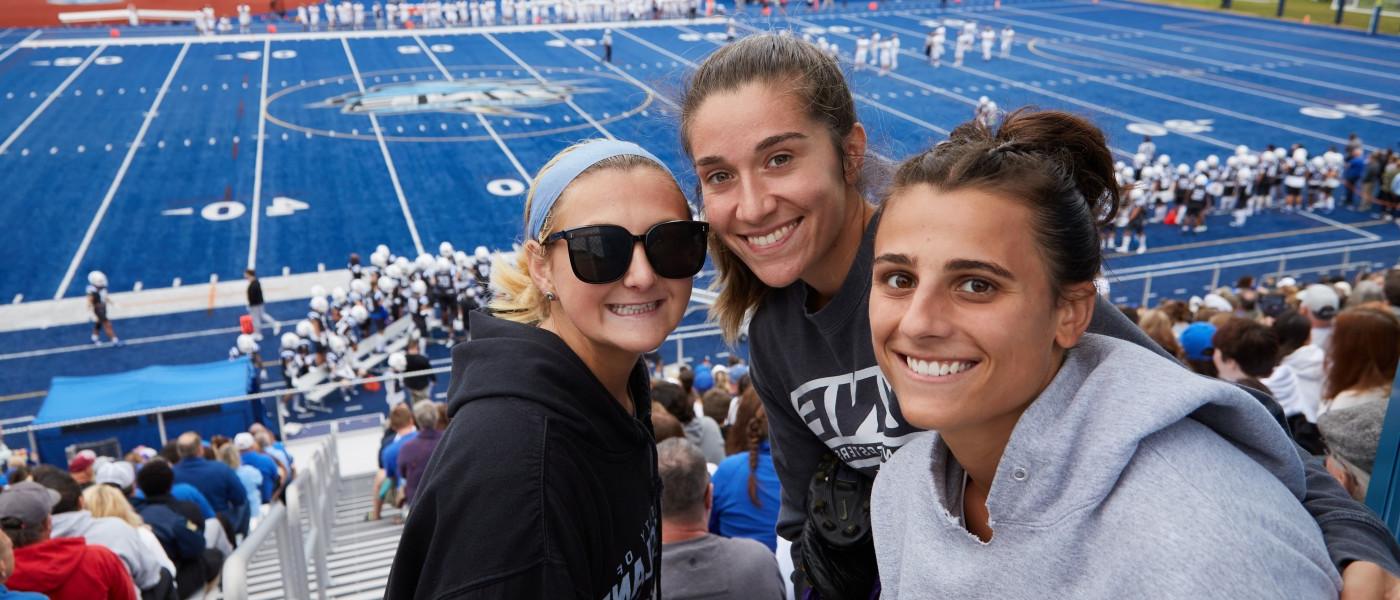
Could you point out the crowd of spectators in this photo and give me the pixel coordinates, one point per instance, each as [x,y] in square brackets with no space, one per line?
[1326,351]
[410,436]
[155,525]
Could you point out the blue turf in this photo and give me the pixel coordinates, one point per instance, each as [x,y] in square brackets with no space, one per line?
[1117,62]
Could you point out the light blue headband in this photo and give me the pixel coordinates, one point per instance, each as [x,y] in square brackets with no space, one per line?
[564,172]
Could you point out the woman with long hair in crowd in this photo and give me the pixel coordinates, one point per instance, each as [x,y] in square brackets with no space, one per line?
[1049,437]
[104,500]
[770,126]
[1361,363]
[746,497]
[545,483]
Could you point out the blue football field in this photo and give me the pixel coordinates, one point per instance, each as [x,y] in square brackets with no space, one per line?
[158,157]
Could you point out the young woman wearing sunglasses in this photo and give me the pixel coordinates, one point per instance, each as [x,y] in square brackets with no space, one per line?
[771,128]
[545,484]
[1088,466]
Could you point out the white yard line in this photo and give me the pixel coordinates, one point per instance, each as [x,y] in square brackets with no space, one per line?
[384,149]
[620,72]
[58,91]
[1195,29]
[1061,97]
[1340,225]
[1182,55]
[1145,92]
[121,174]
[11,50]
[258,161]
[1204,15]
[536,75]
[500,143]
[1200,41]
[1143,66]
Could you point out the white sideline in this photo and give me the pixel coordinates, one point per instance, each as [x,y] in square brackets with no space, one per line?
[160,301]
[338,35]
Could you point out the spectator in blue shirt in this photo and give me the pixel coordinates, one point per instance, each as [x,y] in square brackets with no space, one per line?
[746,497]
[219,484]
[1356,167]
[386,480]
[273,448]
[251,454]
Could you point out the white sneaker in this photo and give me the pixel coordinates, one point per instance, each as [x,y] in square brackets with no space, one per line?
[1200,228]
[1142,249]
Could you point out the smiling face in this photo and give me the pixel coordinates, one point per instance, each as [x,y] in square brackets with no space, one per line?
[775,190]
[965,321]
[634,314]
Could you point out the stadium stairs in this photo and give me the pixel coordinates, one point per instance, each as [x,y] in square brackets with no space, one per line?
[317,544]
[358,561]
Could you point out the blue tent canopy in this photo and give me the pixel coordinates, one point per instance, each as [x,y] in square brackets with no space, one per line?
[151,388]
[124,406]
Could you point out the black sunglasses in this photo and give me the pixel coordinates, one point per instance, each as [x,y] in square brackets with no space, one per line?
[603,253]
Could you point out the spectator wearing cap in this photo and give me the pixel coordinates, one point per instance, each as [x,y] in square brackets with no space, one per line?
[1352,435]
[61,568]
[218,483]
[1361,366]
[82,467]
[694,562]
[1319,303]
[414,455]
[118,474]
[179,526]
[1196,345]
[72,519]
[250,452]
[7,566]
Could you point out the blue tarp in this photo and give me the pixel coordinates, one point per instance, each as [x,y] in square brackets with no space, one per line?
[151,388]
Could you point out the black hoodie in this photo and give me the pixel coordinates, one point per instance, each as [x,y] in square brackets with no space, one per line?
[542,486]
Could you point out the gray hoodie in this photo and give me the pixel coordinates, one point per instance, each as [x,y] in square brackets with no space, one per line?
[1128,477]
[116,535]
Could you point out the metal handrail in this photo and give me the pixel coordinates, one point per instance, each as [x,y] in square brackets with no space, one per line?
[296,556]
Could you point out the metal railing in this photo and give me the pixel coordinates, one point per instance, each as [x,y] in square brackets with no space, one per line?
[1268,263]
[303,537]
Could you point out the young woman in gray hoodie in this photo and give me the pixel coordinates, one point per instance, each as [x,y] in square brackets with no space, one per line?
[1065,464]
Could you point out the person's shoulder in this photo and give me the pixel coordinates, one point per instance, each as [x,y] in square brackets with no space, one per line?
[745,551]
[502,426]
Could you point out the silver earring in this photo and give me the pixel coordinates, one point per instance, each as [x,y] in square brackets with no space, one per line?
[550,296]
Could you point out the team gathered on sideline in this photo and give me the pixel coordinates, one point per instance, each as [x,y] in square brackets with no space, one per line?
[934,377]
[435,293]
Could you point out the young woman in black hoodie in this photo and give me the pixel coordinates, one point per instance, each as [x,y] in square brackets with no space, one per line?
[545,483]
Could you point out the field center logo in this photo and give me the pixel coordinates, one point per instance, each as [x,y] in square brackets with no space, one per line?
[497,97]
[420,105]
